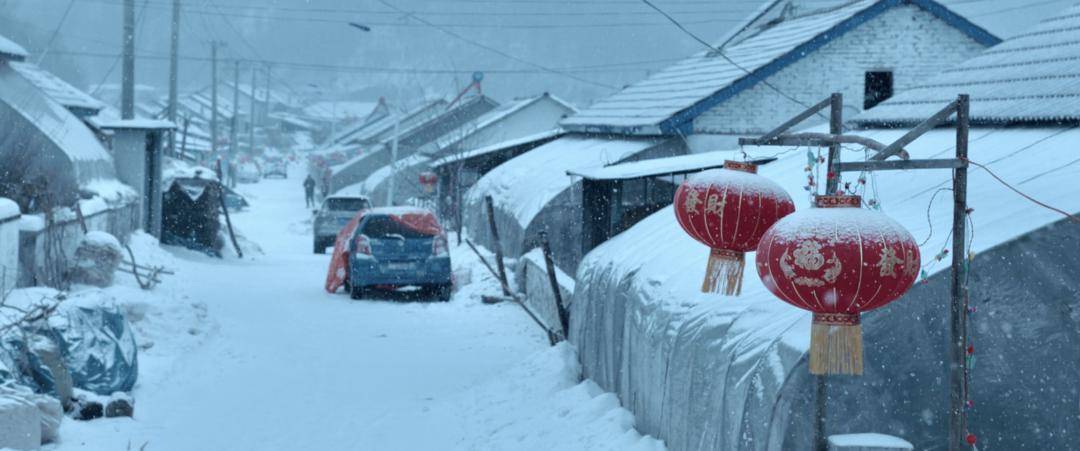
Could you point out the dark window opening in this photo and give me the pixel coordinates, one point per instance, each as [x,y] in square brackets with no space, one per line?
[879,87]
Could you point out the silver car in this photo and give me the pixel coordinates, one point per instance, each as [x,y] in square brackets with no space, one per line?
[336,211]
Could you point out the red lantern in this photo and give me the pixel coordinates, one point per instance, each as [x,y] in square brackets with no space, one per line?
[837,260]
[728,210]
[428,180]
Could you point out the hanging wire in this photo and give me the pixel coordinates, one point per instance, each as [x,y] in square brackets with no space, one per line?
[929,221]
[1064,213]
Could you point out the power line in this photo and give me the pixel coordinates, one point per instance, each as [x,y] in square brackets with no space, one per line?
[595,68]
[497,51]
[56,31]
[715,51]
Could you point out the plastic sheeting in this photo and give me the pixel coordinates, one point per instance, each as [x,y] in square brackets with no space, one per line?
[709,372]
[97,346]
[417,219]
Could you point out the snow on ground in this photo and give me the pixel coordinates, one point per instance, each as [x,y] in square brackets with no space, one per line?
[273,362]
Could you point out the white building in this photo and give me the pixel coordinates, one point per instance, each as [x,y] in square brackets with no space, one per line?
[784,59]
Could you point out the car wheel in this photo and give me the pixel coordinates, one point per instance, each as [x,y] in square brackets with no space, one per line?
[357,292]
[444,292]
[320,246]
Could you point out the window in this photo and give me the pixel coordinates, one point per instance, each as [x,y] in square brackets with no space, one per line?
[879,87]
[349,204]
[380,226]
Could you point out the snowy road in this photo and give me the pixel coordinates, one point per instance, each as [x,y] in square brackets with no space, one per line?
[288,366]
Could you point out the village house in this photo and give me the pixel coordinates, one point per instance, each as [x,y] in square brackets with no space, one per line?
[787,57]
[759,394]
[512,120]
[65,177]
[427,126]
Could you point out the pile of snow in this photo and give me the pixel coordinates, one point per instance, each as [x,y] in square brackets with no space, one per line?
[8,208]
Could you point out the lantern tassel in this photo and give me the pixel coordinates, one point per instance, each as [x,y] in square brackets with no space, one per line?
[725,272]
[836,344]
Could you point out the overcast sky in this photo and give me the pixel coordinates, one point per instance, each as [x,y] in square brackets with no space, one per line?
[595,45]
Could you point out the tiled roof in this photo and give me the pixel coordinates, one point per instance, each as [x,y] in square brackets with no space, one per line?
[672,97]
[1033,77]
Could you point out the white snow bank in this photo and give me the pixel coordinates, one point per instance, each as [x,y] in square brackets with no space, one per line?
[9,49]
[8,208]
[869,440]
[539,404]
[102,239]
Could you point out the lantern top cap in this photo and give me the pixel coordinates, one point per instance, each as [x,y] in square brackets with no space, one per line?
[838,201]
[742,166]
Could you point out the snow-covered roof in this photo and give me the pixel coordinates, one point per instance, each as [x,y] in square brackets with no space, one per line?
[493,117]
[58,89]
[672,97]
[503,145]
[659,166]
[523,185]
[336,110]
[1033,77]
[382,175]
[54,122]
[377,129]
[11,51]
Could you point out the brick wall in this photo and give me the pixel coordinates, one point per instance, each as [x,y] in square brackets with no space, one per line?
[906,40]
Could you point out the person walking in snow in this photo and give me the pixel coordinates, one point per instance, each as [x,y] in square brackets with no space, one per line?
[309,191]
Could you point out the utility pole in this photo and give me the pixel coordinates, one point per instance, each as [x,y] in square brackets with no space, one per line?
[174,71]
[213,99]
[266,99]
[127,88]
[232,121]
[251,113]
[393,164]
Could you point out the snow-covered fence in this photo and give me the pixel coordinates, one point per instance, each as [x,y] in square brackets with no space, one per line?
[9,244]
[46,247]
[531,278]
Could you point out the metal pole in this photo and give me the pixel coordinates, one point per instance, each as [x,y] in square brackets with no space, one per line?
[127,89]
[251,113]
[266,99]
[213,100]
[174,69]
[959,289]
[393,164]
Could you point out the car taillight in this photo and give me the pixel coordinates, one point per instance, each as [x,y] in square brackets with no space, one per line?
[362,245]
[439,247]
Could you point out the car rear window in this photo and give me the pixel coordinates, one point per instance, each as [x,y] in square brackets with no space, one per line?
[384,227]
[340,204]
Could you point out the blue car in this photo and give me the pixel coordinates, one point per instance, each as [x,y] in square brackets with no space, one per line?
[396,247]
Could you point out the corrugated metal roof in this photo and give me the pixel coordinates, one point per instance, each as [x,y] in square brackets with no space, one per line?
[1033,77]
[674,96]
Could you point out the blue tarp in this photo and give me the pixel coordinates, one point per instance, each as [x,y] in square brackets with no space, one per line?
[97,345]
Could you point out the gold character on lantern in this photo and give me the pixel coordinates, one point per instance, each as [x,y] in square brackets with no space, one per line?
[693,199]
[888,262]
[808,256]
[715,205]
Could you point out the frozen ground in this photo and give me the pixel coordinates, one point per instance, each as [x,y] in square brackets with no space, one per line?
[263,359]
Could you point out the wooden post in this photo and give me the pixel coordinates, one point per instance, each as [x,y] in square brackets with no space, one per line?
[564,316]
[225,210]
[959,289]
[183,138]
[498,246]
[836,127]
[832,184]
[82,219]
